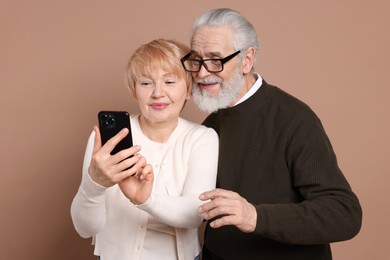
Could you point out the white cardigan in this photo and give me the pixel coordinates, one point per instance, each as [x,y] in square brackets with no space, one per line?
[187,165]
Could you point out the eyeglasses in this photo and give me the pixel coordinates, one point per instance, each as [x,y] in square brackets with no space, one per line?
[211,65]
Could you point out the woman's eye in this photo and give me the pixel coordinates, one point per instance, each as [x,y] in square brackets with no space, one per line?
[146,84]
[169,82]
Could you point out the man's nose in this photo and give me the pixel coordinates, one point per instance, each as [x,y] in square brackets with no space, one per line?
[203,72]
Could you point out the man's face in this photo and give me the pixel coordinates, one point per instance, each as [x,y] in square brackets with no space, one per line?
[215,90]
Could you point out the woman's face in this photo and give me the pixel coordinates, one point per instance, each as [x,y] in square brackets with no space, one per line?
[161,96]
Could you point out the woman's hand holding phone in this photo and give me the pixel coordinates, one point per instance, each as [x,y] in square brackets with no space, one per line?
[107,169]
[116,161]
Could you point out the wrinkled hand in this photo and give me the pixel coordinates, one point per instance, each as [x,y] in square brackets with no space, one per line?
[137,188]
[106,169]
[230,208]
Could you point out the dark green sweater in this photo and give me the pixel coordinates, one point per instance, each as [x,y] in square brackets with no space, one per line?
[275,153]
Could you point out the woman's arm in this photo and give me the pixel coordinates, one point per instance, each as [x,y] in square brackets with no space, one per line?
[181,211]
[88,206]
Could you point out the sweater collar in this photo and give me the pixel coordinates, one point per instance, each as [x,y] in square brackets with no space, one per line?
[253,89]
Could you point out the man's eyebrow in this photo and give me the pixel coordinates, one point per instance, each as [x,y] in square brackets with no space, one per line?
[208,54]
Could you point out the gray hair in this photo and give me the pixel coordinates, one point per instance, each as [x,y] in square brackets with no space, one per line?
[245,34]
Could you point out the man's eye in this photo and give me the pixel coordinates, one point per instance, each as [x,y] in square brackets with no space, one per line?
[215,61]
[193,62]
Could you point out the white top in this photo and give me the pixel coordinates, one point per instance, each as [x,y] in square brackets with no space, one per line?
[166,225]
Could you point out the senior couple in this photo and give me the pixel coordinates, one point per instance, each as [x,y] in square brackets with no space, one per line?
[259,174]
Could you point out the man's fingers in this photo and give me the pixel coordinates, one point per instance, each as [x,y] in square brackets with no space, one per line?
[238,212]
[222,221]
[212,204]
[209,195]
[218,206]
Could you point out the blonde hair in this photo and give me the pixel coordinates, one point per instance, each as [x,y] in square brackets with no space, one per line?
[159,53]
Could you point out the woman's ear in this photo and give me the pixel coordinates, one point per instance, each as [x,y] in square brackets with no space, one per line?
[248,61]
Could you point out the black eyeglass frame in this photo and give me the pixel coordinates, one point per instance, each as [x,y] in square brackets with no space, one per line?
[202,62]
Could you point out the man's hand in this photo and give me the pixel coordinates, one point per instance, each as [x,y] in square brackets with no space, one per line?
[230,208]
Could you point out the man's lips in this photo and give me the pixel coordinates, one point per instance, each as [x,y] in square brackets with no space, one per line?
[207,85]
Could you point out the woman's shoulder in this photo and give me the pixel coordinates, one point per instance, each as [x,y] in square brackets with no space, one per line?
[196,129]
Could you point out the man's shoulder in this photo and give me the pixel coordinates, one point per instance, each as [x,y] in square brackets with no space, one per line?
[286,100]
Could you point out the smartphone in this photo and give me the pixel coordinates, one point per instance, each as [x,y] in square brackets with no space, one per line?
[110,123]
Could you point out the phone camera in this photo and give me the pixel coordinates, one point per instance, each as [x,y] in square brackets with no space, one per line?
[107,120]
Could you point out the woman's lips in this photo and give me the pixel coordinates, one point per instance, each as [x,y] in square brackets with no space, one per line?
[159,106]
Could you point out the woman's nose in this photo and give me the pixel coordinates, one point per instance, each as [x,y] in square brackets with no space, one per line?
[158,90]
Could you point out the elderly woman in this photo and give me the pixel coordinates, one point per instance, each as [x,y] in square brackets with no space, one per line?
[149,210]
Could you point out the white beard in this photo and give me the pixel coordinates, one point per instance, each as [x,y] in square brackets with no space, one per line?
[225,97]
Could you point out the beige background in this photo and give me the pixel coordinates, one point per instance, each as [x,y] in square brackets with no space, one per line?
[62,61]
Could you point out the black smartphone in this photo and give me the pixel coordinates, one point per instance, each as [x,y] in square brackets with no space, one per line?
[110,123]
